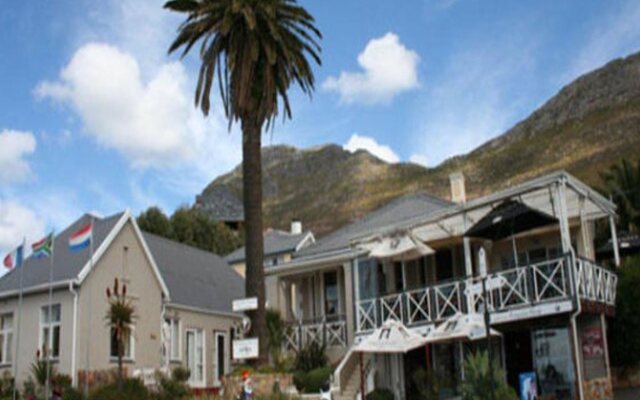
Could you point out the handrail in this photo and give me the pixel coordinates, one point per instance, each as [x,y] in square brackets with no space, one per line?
[560,278]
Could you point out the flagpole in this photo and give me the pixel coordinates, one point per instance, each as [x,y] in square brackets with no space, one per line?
[87,364]
[50,337]
[18,323]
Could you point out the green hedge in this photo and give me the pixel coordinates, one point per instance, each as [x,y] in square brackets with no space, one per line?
[312,381]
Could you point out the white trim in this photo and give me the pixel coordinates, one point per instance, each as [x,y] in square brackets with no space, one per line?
[174,321]
[132,348]
[51,326]
[203,382]
[308,237]
[74,334]
[6,350]
[35,289]
[126,217]
[204,310]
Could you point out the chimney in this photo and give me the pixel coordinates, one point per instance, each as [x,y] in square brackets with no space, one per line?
[458,192]
[296,226]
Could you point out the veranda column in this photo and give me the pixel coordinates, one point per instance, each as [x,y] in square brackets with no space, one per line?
[614,240]
[349,303]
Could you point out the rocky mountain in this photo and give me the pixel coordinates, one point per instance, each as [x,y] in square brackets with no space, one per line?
[590,124]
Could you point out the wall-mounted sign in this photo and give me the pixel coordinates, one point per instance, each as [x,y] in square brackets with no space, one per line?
[592,341]
[245,349]
[248,304]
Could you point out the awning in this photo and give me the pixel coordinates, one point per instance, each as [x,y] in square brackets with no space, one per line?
[507,219]
[391,337]
[394,247]
[467,327]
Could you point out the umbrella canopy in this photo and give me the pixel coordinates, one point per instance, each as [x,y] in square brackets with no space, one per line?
[460,327]
[396,247]
[391,337]
[507,219]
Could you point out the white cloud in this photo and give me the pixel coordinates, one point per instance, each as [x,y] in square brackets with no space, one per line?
[388,69]
[14,146]
[419,159]
[153,123]
[613,34]
[383,152]
[17,221]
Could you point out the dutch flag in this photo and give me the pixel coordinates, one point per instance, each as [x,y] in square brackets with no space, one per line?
[13,259]
[81,238]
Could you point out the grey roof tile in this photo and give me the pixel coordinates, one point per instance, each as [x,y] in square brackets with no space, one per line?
[195,278]
[275,242]
[401,209]
[66,264]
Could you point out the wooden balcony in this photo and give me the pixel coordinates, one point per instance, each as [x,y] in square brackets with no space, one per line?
[328,332]
[535,290]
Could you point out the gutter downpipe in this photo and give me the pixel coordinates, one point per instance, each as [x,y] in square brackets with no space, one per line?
[163,340]
[574,316]
[74,335]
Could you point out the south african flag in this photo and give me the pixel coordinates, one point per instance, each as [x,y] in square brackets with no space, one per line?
[43,247]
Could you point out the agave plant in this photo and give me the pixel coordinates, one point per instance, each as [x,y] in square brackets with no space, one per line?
[120,318]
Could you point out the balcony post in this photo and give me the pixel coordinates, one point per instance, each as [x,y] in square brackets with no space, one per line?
[614,241]
[349,303]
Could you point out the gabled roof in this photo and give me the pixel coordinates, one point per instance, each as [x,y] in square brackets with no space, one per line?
[66,264]
[275,242]
[401,209]
[195,278]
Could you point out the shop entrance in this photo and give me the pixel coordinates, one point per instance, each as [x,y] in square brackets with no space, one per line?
[518,354]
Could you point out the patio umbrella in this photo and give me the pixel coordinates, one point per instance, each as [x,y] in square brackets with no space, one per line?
[396,246]
[468,327]
[507,219]
[391,338]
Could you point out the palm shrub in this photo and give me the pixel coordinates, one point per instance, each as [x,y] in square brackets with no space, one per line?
[275,333]
[120,317]
[477,380]
[622,183]
[256,50]
[311,356]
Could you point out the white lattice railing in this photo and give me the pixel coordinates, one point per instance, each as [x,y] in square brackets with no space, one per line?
[526,286]
[595,283]
[329,333]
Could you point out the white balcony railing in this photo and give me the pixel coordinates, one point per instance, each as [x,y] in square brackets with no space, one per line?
[321,332]
[527,286]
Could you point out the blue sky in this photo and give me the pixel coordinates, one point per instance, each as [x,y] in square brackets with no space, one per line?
[94,116]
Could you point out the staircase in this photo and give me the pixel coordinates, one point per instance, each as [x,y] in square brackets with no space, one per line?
[346,382]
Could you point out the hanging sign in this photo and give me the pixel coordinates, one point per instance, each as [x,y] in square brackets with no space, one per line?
[248,304]
[245,348]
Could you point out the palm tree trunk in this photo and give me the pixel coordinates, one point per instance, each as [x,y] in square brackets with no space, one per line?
[252,200]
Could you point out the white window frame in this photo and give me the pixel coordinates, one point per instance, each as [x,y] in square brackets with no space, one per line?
[215,365]
[192,382]
[7,351]
[132,346]
[174,322]
[51,326]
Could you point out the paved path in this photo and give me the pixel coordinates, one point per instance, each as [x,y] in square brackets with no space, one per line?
[627,394]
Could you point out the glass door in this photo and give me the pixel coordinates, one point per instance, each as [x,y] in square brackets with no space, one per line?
[195,356]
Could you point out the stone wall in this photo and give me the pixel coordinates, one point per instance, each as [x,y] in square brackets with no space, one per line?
[263,384]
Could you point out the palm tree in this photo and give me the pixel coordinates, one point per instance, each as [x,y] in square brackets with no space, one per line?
[120,317]
[622,183]
[255,49]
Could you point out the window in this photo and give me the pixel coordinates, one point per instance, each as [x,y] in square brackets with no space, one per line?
[50,330]
[195,356]
[331,302]
[6,338]
[172,332]
[127,352]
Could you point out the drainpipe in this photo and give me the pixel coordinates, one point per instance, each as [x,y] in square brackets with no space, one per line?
[74,334]
[573,270]
[163,311]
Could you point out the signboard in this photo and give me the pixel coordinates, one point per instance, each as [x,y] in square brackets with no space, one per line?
[592,341]
[245,348]
[528,386]
[248,304]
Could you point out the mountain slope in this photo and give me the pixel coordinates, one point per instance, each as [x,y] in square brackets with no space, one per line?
[589,125]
